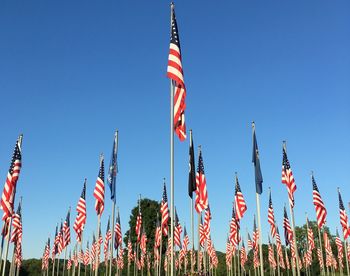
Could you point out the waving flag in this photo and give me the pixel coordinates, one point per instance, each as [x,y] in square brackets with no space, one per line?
[241,206]
[271,218]
[343,218]
[256,161]
[164,210]
[108,237]
[118,233]
[8,194]
[201,187]
[175,73]
[321,212]
[17,225]
[192,169]
[138,226]
[177,231]
[66,230]
[80,220]
[288,233]
[233,236]
[113,168]
[287,177]
[99,191]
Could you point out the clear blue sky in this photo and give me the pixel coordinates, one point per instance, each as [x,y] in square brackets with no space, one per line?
[71,72]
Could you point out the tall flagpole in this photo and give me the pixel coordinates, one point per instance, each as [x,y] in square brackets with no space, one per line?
[115,150]
[293,227]
[172,213]
[256,158]
[192,222]
[345,245]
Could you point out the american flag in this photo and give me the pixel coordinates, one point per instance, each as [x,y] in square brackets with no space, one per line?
[118,240]
[158,234]
[164,210]
[143,242]
[8,194]
[60,240]
[241,206]
[279,248]
[339,244]
[271,256]
[185,241]
[207,218]
[310,238]
[17,226]
[201,187]
[69,262]
[250,242]
[271,218]
[108,237]
[243,255]
[287,177]
[130,254]
[233,229]
[175,73]
[138,226]
[321,211]
[99,191]
[288,233]
[343,218]
[55,244]
[87,255]
[202,236]
[46,255]
[80,220]
[177,231]
[66,230]
[255,236]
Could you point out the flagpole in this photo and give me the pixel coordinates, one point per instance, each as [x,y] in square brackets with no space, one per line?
[191,208]
[199,245]
[80,244]
[260,234]
[293,226]
[98,243]
[7,246]
[345,245]
[113,205]
[64,260]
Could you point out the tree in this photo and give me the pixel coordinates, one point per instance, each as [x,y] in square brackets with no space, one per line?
[149,210]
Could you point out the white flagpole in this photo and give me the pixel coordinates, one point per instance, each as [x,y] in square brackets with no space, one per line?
[98,243]
[113,211]
[172,213]
[192,222]
[260,234]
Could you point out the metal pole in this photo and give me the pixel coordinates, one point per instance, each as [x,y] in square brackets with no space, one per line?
[64,260]
[7,246]
[77,246]
[199,245]
[58,263]
[260,234]
[98,243]
[172,203]
[160,251]
[53,266]
[320,240]
[294,240]
[192,222]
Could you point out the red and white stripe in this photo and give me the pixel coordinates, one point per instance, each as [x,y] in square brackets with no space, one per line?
[99,191]
[288,178]
[8,194]
[241,206]
[201,202]
[321,212]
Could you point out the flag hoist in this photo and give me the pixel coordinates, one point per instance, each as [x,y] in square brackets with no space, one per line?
[177,111]
[258,186]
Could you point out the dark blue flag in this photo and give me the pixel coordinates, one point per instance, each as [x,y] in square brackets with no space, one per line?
[256,161]
[112,171]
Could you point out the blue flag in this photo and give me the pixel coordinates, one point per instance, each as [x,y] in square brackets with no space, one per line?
[256,161]
[112,171]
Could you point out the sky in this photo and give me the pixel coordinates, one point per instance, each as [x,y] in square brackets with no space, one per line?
[72,72]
